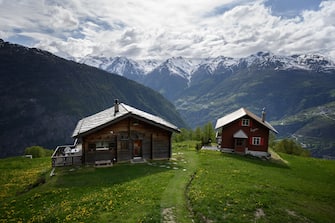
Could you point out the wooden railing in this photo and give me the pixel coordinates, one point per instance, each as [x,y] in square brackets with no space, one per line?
[66,160]
[67,155]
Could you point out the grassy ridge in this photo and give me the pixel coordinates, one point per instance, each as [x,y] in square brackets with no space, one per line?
[224,188]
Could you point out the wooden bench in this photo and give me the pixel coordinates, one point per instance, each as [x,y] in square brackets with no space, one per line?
[103,163]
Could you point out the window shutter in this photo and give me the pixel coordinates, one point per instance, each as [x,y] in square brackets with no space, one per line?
[250,123]
[250,140]
[262,141]
[240,122]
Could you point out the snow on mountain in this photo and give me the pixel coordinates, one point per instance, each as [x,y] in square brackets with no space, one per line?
[212,65]
[148,65]
[263,60]
[296,62]
[185,67]
[314,62]
[124,67]
[178,66]
[121,65]
[94,61]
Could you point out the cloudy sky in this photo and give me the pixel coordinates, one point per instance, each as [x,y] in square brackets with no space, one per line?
[142,29]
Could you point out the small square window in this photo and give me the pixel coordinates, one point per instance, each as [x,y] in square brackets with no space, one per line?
[245,122]
[256,141]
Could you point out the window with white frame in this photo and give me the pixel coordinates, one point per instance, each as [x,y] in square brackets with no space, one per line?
[256,141]
[245,122]
[102,145]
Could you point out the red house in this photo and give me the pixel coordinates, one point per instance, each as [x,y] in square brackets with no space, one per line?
[245,133]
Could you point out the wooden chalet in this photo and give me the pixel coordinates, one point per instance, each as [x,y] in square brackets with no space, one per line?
[119,134]
[243,132]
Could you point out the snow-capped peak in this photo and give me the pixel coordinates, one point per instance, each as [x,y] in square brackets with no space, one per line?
[179,66]
[148,65]
[314,62]
[94,61]
[125,67]
[217,63]
[264,60]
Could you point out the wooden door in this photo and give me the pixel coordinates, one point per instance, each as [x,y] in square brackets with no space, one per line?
[137,148]
[239,145]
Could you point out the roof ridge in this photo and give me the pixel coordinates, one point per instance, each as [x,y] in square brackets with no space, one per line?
[127,109]
[123,105]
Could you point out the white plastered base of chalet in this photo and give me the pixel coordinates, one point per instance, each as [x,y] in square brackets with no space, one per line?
[247,152]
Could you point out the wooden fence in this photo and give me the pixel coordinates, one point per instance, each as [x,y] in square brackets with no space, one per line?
[67,155]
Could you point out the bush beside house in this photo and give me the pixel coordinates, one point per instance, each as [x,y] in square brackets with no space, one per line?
[37,151]
[289,146]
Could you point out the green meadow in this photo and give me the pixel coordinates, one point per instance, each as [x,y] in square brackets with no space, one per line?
[204,186]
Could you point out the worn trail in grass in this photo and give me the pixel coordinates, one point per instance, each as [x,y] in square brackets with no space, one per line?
[173,201]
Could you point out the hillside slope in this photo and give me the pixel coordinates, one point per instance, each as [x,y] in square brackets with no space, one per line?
[43,96]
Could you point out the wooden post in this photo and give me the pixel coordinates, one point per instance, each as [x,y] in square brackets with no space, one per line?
[151,147]
[170,149]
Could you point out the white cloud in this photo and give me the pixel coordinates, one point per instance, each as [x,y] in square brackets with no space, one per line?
[62,19]
[161,29]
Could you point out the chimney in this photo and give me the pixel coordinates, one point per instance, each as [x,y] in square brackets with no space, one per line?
[263,115]
[116,106]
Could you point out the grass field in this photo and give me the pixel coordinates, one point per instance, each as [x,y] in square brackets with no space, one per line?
[230,188]
[205,186]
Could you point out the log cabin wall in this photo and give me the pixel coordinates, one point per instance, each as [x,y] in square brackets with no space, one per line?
[117,140]
[156,142]
[108,136]
[162,145]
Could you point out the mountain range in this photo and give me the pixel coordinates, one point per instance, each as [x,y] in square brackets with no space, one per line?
[43,96]
[289,87]
[174,75]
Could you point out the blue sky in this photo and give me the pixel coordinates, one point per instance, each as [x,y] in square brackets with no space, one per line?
[291,8]
[161,29]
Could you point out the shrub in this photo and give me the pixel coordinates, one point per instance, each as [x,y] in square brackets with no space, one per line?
[289,146]
[37,151]
[198,146]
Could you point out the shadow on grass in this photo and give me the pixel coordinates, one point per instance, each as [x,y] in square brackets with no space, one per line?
[92,177]
[258,161]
